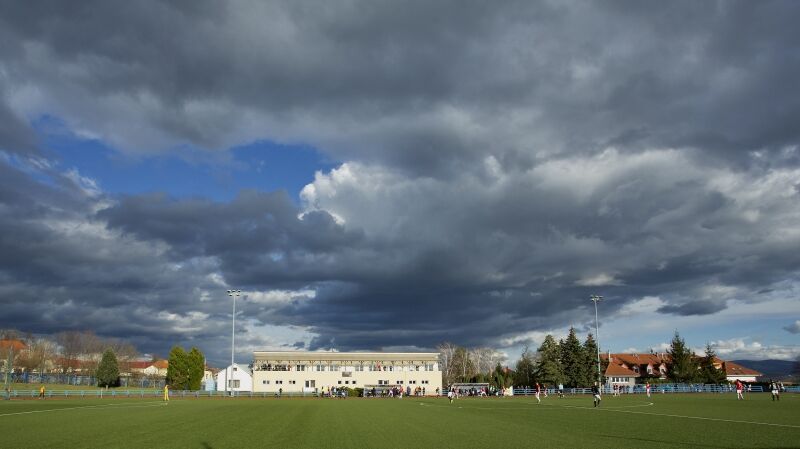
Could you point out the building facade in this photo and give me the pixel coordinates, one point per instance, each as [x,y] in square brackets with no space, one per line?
[311,372]
[241,379]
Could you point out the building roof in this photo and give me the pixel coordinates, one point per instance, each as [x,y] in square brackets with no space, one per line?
[638,359]
[619,370]
[161,364]
[324,356]
[16,345]
[734,369]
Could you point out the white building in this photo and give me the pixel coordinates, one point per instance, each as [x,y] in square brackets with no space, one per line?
[241,379]
[309,372]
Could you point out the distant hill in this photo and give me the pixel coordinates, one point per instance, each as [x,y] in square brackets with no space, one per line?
[772,369]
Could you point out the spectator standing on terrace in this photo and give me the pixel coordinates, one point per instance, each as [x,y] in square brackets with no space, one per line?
[596,394]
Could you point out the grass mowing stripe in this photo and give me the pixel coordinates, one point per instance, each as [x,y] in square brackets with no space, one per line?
[736,421]
[152,404]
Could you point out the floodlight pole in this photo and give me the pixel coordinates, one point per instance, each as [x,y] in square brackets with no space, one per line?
[595,299]
[233,294]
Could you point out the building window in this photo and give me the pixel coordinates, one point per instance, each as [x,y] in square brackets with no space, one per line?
[334,367]
[233,383]
[399,382]
[429,367]
[320,368]
[340,382]
[359,367]
[279,382]
[425,382]
[301,367]
[265,382]
[293,382]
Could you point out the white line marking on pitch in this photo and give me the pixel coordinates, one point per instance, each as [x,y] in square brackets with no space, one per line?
[152,404]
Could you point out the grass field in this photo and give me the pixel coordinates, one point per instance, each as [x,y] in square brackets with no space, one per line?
[665,421]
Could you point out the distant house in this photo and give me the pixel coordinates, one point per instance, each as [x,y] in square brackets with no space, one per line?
[208,382]
[157,368]
[241,379]
[734,372]
[629,369]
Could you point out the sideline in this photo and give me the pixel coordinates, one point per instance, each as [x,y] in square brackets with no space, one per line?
[146,404]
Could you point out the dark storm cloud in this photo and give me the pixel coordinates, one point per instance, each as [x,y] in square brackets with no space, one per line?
[479,187]
[715,76]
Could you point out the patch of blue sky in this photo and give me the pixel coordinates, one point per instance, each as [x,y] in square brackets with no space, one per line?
[184,171]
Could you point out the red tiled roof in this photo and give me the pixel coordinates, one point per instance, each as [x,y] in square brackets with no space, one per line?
[161,364]
[734,369]
[619,370]
[16,345]
[139,365]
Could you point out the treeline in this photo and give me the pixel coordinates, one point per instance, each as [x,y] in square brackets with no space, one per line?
[567,361]
[460,364]
[66,352]
[686,367]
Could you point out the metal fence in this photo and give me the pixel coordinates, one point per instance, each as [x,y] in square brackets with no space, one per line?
[656,389]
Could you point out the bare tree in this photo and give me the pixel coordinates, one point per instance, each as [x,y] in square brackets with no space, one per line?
[447,352]
[485,359]
[39,354]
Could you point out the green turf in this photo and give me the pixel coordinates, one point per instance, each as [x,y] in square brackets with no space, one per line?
[625,422]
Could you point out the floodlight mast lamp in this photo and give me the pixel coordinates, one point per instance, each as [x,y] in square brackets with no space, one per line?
[233,294]
[595,299]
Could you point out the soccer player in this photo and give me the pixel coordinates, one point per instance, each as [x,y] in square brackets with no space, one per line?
[596,394]
[166,393]
[41,392]
[739,389]
[450,395]
[561,390]
[776,392]
[647,388]
[538,390]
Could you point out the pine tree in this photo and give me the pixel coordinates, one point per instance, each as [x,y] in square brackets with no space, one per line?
[708,372]
[108,370]
[590,360]
[178,369]
[683,367]
[573,360]
[549,369]
[196,368]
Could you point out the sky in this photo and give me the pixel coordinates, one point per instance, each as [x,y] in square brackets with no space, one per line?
[382,175]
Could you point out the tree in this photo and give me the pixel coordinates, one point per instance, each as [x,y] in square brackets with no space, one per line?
[108,370]
[464,368]
[447,353]
[526,368]
[549,369]
[590,360]
[196,368]
[683,367]
[573,360]
[502,377]
[708,372]
[178,369]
